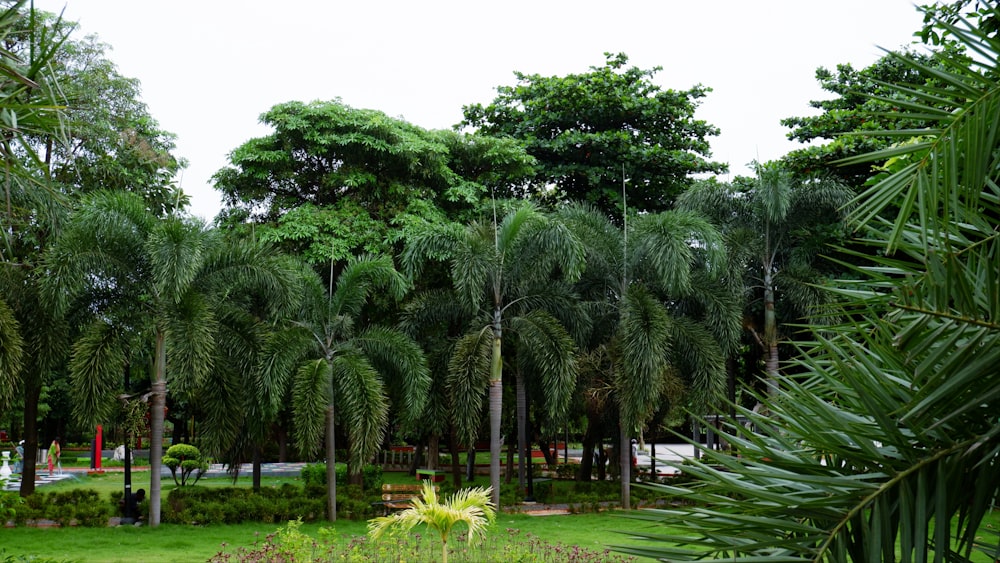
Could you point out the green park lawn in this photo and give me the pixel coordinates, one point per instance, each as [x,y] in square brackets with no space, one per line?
[178,543]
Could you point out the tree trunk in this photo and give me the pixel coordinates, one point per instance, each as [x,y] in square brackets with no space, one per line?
[156,417]
[522,428]
[331,462]
[33,389]
[433,450]
[496,406]
[589,443]
[256,469]
[770,333]
[418,456]
[625,459]
[456,464]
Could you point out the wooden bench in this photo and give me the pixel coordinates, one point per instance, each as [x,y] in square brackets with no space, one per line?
[398,496]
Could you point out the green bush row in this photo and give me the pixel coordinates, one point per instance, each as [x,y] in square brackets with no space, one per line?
[232,505]
[77,507]
[314,476]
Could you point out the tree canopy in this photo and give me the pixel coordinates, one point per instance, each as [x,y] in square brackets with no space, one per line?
[332,181]
[585,129]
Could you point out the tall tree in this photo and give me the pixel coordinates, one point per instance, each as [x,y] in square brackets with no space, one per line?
[584,129]
[338,368]
[32,342]
[885,447]
[340,180]
[502,273]
[147,282]
[864,103]
[781,224]
[660,324]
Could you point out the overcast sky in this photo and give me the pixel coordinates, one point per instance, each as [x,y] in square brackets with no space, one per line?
[210,68]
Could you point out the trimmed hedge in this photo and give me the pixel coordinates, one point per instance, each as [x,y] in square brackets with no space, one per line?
[314,477]
[232,505]
[77,507]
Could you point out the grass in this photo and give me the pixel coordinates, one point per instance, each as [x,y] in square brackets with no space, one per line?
[178,543]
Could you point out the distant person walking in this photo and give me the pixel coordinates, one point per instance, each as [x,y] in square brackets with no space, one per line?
[19,462]
[53,455]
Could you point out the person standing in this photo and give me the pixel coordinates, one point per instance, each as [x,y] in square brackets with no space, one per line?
[19,462]
[53,455]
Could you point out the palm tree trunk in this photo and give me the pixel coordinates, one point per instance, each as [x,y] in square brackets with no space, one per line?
[522,431]
[496,405]
[625,459]
[33,390]
[256,468]
[770,333]
[331,464]
[156,416]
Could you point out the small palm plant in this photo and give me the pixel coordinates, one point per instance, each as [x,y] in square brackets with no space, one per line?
[472,506]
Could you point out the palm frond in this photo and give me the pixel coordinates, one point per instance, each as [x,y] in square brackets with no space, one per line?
[96,367]
[468,380]
[360,278]
[360,392]
[403,367]
[668,244]
[177,251]
[550,351]
[645,343]
[191,339]
[11,352]
[310,400]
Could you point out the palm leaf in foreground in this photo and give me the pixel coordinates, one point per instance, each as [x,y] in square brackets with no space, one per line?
[889,439]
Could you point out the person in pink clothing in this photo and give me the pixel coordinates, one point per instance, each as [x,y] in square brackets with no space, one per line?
[53,455]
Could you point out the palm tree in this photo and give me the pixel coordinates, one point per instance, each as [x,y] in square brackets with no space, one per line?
[32,342]
[884,447]
[472,506]
[339,369]
[774,223]
[503,274]
[659,315]
[146,281]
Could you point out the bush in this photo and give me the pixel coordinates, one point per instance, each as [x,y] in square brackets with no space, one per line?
[314,477]
[188,459]
[234,505]
[79,507]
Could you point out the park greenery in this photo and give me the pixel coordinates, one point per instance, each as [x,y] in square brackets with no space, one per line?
[560,263]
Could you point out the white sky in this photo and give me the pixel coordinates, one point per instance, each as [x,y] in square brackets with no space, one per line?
[210,68]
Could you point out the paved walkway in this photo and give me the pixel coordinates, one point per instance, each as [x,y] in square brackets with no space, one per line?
[43,478]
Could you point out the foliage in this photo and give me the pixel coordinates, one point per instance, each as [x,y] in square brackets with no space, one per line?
[514,545]
[885,447]
[81,507]
[584,129]
[188,459]
[339,369]
[231,505]
[112,140]
[776,227]
[334,181]
[508,278]
[314,476]
[471,506]
[864,103]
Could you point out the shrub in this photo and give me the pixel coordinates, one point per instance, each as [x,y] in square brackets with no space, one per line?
[234,505]
[81,507]
[188,459]
[314,477]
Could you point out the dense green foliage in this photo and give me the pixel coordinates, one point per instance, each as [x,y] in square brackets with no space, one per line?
[586,129]
[888,433]
[334,181]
